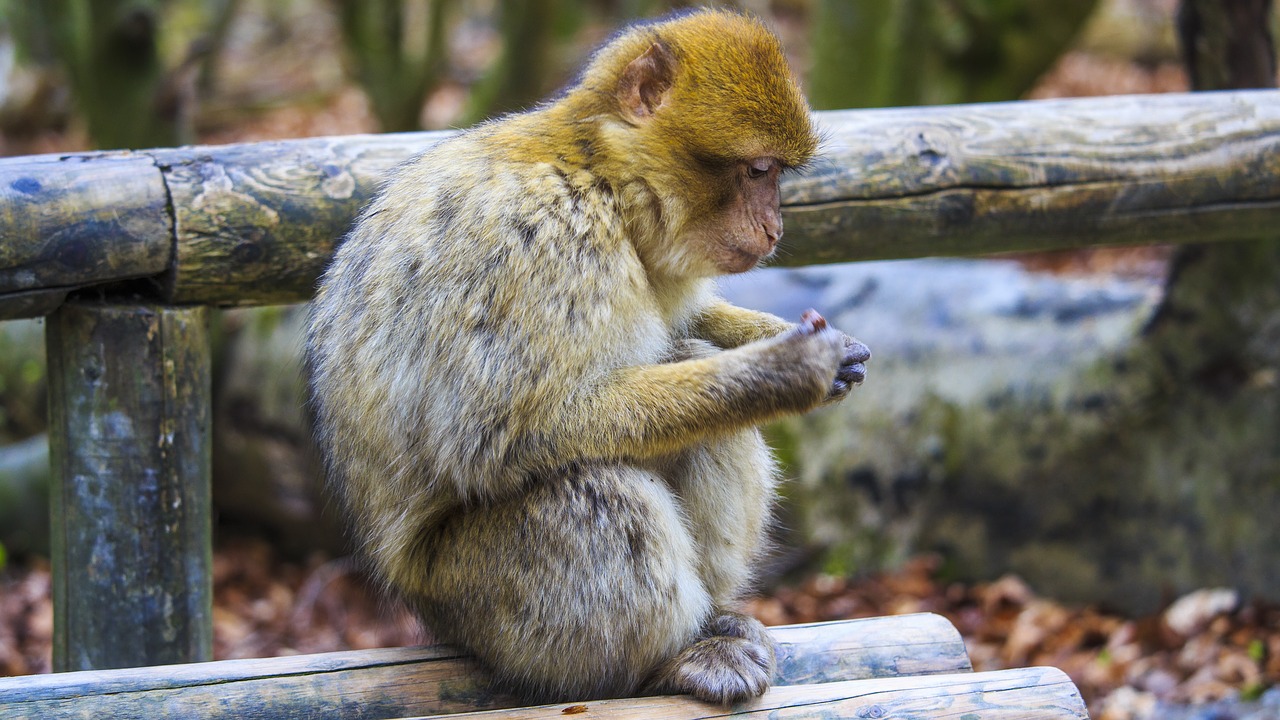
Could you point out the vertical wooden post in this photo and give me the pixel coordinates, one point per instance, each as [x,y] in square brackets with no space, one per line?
[129,417]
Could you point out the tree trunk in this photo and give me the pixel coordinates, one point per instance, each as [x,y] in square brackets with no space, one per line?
[400,57]
[111,51]
[1214,329]
[885,53]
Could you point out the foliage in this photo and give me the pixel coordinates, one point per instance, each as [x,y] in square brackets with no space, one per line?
[399,52]
[22,379]
[877,53]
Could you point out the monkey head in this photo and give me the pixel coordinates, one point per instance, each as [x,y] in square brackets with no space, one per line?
[705,112]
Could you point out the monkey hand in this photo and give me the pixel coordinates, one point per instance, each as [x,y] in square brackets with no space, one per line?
[853,369]
[807,358]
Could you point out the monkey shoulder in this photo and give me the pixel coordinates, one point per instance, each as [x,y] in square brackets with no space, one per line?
[479,265]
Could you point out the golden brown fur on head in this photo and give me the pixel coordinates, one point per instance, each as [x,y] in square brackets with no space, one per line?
[690,105]
[729,79]
[680,116]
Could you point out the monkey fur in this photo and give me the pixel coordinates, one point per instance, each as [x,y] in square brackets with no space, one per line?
[540,418]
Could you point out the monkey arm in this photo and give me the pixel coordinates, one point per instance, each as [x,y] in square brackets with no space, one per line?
[648,411]
[729,326]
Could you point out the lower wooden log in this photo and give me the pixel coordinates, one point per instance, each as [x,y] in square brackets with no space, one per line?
[399,682]
[1023,694]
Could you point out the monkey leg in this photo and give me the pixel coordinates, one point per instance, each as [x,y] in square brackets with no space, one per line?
[577,589]
[726,489]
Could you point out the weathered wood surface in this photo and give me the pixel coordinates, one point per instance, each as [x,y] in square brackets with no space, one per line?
[129,444]
[1023,694]
[31,303]
[1027,176]
[260,220]
[69,221]
[397,682]
[256,223]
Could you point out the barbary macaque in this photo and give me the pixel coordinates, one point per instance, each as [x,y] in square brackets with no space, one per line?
[538,414]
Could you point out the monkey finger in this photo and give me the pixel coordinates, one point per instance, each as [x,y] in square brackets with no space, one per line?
[855,351]
[839,390]
[852,373]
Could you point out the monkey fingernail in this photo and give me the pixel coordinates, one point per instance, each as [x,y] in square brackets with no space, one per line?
[812,322]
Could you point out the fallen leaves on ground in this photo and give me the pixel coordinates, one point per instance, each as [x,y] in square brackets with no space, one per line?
[1207,646]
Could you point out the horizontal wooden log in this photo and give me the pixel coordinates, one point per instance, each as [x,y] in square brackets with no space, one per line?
[400,682]
[256,223]
[72,220]
[1026,176]
[1023,694]
[31,303]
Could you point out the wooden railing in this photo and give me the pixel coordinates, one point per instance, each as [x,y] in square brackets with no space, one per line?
[254,224]
[124,252]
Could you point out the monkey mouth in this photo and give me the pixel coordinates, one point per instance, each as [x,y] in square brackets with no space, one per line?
[740,259]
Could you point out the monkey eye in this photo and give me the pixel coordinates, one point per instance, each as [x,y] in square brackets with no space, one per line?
[758,168]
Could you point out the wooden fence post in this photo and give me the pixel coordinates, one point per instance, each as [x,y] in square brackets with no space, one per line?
[129,417]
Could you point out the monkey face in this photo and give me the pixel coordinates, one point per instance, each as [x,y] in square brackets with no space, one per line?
[745,222]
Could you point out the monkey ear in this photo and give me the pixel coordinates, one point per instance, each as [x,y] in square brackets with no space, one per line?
[645,83]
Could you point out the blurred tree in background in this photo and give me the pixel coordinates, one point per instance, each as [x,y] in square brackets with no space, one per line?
[400,53]
[137,69]
[132,83]
[883,53]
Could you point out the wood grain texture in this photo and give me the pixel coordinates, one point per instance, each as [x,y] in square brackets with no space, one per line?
[1022,694]
[73,220]
[256,223]
[398,682]
[1028,176]
[129,444]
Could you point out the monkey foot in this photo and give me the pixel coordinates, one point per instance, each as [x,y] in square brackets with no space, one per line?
[735,663]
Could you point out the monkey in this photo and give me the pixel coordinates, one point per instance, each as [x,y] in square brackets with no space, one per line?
[539,415]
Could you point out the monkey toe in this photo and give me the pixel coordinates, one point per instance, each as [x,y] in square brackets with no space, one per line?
[732,624]
[722,669]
